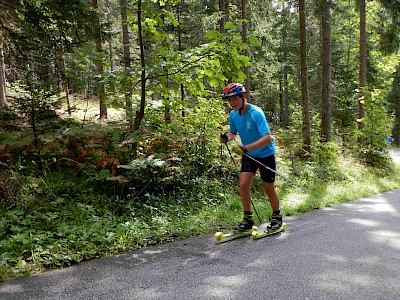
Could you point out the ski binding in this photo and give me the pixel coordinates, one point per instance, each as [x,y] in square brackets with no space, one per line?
[257,234]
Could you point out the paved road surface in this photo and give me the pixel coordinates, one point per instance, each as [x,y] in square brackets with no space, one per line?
[349,251]
[395,154]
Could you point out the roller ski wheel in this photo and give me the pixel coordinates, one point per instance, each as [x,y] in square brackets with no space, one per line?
[234,233]
[257,234]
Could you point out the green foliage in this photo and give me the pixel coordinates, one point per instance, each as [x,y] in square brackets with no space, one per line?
[213,62]
[377,125]
[37,105]
[327,162]
[42,32]
[23,140]
[48,24]
[56,228]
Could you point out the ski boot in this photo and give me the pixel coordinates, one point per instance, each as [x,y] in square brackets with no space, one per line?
[276,223]
[246,227]
[246,224]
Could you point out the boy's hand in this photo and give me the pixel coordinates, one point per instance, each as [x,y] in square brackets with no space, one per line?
[223,138]
[240,150]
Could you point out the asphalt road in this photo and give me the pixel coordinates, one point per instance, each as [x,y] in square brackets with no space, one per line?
[348,251]
[395,154]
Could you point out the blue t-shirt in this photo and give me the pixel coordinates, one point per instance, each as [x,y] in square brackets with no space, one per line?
[251,126]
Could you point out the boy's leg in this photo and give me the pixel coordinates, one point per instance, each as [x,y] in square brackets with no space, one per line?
[272,195]
[245,181]
[246,178]
[268,178]
[276,219]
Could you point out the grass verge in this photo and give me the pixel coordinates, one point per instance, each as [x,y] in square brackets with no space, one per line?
[56,231]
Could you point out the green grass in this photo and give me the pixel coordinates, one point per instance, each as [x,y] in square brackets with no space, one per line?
[324,195]
[59,223]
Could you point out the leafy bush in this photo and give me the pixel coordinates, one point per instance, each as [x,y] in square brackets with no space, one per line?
[327,162]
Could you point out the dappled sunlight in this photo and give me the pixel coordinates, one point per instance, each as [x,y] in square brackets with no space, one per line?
[223,286]
[11,288]
[385,207]
[370,223]
[362,260]
[261,263]
[386,238]
[83,109]
[143,256]
[147,293]
[345,282]
[335,258]
[369,260]
[294,199]
[374,205]
[378,208]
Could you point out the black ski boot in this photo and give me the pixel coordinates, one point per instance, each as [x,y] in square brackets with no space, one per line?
[246,224]
[276,222]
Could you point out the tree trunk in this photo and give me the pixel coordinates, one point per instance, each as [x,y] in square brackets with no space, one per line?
[110,44]
[127,60]
[326,64]
[164,80]
[304,80]
[246,51]
[283,81]
[363,64]
[65,83]
[140,113]
[166,98]
[180,49]
[99,65]
[3,94]
[64,76]
[222,10]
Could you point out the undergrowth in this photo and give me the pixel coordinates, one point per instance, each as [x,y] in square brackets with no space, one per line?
[59,224]
[87,192]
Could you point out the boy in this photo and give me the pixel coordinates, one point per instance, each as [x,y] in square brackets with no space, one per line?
[249,121]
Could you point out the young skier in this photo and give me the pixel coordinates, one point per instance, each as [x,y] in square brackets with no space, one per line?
[250,122]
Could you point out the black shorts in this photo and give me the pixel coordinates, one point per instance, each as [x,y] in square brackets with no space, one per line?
[250,165]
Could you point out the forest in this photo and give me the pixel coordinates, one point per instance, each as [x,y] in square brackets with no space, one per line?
[111,111]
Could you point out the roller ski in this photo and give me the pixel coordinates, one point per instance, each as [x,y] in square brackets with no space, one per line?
[234,233]
[246,227]
[258,235]
[274,227]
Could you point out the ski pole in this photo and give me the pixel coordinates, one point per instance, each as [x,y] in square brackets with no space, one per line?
[276,172]
[237,169]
